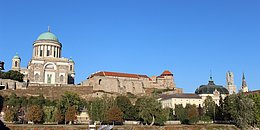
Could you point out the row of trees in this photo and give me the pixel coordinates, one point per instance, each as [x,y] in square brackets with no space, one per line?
[242,110]
[14,75]
[40,110]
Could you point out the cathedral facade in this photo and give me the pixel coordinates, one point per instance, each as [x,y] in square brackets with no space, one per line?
[46,66]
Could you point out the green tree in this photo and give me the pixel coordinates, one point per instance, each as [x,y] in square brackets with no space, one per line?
[126,106]
[181,113]
[147,108]
[241,110]
[220,109]
[209,107]
[49,113]
[256,99]
[11,74]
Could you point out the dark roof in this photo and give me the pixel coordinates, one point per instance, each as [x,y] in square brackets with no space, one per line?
[210,88]
[179,95]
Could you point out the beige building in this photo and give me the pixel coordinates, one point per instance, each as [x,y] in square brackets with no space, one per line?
[122,83]
[171,100]
[47,66]
[201,93]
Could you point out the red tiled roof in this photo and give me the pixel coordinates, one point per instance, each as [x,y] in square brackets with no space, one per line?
[252,92]
[117,74]
[166,72]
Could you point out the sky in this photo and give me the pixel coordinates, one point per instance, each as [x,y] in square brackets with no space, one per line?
[190,38]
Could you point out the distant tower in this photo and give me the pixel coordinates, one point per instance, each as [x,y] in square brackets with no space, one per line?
[71,73]
[230,82]
[16,63]
[244,85]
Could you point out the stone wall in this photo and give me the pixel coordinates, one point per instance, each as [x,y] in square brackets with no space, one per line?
[51,92]
[12,84]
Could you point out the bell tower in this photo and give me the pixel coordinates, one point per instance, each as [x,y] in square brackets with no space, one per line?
[16,63]
[231,87]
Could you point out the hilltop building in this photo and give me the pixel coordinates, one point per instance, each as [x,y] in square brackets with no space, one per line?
[46,66]
[201,93]
[230,82]
[122,83]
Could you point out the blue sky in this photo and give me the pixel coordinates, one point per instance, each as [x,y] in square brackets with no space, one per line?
[189,38]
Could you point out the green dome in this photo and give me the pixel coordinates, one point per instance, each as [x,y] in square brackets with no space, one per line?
[16,57]
[210,88]
[47,36]
[71,60]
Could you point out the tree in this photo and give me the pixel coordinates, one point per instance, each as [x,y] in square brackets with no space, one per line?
[58,116]
[126,106]
[162,115]
[209,107]
[220,109]
[181,113]
[147,108]
[10,115]
[70,114]
[49,113]
[114,114]
[35,114]
[11,74]
[241,110]
[192,113]
[256,99]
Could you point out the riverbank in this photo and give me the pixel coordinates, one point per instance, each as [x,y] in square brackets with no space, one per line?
[125,127]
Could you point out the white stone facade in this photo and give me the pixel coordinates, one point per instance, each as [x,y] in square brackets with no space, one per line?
[47,66]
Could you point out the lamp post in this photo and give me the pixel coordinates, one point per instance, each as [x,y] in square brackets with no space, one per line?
[1,68]
[1,65]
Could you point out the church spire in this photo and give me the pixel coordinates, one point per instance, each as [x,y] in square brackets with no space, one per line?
[244,85]
[210,76]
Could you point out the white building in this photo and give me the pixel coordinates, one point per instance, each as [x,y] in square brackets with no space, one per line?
[47,66]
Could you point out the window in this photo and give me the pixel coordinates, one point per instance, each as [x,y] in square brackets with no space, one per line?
[70,67]
[36,77]
[15,63]
[54,54]
[48,52]
[49,78]
[99,81]
[61,78]
[40,52]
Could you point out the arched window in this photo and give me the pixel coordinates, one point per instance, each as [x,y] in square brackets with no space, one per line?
[61,78]
[70,67]
[99,81]
[15,63]
[36,77]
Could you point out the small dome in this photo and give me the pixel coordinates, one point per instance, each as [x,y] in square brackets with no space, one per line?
[71,60]
[210,88]
[47,36]
[16,57]
[166,73]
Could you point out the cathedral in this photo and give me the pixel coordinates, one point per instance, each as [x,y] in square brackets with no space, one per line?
[46,66]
